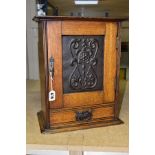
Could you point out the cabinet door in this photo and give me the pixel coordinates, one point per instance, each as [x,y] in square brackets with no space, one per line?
[85,62]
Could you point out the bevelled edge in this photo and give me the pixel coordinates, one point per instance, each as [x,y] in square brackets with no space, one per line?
[89,125]
[74,18]
[41,121]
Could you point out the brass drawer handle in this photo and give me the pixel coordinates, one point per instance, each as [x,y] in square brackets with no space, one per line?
[84,115]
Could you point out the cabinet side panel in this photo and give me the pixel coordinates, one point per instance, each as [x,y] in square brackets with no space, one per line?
[42,49]
[118,48]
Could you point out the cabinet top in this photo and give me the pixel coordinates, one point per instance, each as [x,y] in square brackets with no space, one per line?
[58,18]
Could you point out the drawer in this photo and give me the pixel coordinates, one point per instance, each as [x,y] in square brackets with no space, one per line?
[80,115]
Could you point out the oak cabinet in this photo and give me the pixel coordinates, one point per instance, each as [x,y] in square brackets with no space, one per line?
[79,59]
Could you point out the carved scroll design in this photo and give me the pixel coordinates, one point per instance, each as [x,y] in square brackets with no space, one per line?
[84,59]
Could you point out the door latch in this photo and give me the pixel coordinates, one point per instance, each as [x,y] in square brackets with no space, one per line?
[52,93]
[51,67]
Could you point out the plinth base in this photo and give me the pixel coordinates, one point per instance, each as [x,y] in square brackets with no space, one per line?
[101,122]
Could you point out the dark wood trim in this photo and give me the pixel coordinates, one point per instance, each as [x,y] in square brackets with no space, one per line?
[41,120]
[83,107]
[45,46]
[74,123]
[87,125]
[54,18]
[71,126]
[118,50]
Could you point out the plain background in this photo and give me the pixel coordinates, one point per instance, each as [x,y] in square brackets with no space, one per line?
[13,77]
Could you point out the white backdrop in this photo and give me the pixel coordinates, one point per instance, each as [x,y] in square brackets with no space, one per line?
[32,68]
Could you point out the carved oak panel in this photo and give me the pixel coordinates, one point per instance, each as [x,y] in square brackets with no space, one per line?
[82,63]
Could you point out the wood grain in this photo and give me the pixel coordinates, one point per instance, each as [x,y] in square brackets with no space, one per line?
[63,18]
[60,115]
[83,28]
[55,50]
[118,50]
[69,116]
[110,62]
[87,125]
[103,112]
[108,93]
[42,44]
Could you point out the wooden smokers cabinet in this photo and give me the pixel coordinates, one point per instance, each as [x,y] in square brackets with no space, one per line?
[82,55]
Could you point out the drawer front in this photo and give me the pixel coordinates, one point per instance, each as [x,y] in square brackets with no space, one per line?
[81,115]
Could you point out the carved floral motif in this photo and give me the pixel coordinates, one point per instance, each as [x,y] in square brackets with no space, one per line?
[84,59]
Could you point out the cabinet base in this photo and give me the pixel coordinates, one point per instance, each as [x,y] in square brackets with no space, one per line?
[76,126]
